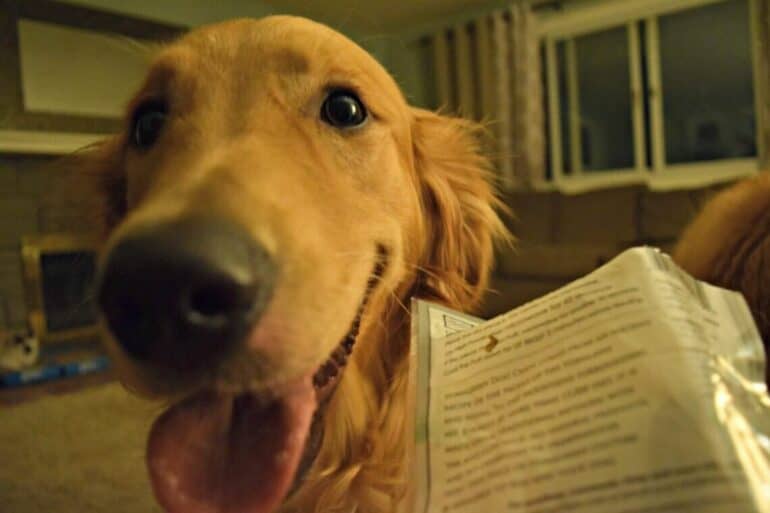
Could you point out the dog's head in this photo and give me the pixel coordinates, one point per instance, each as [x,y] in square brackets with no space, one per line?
[272,194]
[728,244]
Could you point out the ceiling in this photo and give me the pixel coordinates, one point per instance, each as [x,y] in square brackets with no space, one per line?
[373,16]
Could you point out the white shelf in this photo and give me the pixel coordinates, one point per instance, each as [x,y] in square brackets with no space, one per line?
[44,143]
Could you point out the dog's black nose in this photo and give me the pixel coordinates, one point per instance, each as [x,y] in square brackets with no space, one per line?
[181,293]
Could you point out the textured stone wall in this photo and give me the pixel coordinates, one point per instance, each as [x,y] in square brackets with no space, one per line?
[35,197]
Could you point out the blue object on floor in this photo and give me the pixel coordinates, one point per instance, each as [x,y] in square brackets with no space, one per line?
[55,371]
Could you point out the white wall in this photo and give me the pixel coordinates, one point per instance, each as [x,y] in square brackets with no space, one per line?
[398,51]
[191,13]
[98,82]
[85,96]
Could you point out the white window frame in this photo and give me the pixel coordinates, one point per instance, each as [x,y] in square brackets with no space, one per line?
[609,14]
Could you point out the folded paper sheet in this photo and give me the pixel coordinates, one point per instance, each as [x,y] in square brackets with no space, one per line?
[633,389]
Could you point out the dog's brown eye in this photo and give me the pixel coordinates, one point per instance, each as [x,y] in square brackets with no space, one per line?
[147,124]
[343,109]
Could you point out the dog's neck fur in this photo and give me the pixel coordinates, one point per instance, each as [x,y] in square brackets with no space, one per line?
[361,463]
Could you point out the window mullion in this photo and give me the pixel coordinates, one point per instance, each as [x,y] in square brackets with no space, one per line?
[654,86]
[637,100]
[554,110]
[573,92]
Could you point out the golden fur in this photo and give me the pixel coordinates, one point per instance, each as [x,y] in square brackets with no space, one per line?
[244,140]
[728,244]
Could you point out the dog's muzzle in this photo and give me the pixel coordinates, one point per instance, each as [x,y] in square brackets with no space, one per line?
[183,295]
[180,294]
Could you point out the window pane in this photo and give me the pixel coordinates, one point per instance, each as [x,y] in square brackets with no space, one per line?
[604,85]
[708,95]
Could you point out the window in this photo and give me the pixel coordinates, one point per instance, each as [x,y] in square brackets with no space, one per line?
[706,79]
[662,94]
[599,123]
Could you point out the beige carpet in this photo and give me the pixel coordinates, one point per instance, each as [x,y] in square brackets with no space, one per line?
[76,453]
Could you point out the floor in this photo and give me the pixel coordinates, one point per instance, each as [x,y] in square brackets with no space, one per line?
[18,395]
[73,446]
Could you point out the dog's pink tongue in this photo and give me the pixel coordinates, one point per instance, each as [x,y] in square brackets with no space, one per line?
[220,454]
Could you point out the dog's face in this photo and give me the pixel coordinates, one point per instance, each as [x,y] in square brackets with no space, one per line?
[270,185]
[291,131]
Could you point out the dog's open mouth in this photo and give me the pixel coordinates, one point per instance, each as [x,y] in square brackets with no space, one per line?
[215,452]
[228,454]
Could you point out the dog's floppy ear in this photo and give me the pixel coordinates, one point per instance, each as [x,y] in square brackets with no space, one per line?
[460,206]
[98,182]
[91,187]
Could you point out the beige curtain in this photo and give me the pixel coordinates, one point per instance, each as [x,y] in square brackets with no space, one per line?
[762,26]
[489,70]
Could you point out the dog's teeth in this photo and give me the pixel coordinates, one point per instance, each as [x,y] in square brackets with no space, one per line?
[330,369]
[320,379]
[340,357]
[348,343]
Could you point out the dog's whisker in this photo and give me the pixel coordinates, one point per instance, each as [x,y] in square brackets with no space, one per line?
[399,302]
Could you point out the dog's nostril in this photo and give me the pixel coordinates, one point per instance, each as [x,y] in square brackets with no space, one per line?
[131,310]
[215,302]
[182,292]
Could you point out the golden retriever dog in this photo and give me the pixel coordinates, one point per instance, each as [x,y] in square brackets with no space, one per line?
[270,207]
[728,244]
